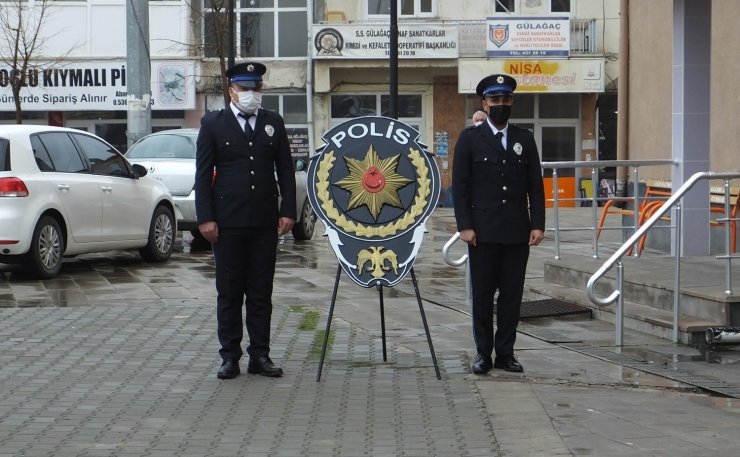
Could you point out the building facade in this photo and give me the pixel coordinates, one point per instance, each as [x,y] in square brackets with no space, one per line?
[681,101]
[328,62]
[562,53]
[651,74]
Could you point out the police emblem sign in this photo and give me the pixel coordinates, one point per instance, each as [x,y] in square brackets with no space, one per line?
[374,185]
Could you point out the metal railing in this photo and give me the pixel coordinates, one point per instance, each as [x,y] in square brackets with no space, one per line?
[594,165]
[674,201]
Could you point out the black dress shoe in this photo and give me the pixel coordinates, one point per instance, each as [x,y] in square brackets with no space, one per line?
[229,369]
[508,363]
[264,366]
[482,364]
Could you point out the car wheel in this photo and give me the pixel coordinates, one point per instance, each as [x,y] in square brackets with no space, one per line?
[44,258]
[303,228]
[161,236]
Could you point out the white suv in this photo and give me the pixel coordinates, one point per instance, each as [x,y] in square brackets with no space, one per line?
[65,192]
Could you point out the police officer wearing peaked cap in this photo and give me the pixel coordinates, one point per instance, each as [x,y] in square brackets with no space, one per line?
[238,212]
[499,204]
[246,74]
[496,84]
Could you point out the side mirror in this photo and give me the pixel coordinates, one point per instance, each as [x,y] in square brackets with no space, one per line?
[139,170]
[300,165]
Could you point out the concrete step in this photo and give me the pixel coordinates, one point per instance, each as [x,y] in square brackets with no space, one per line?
[638,317]
[650,282]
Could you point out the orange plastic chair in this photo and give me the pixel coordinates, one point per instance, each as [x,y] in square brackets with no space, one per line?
[652,207]
[609,208]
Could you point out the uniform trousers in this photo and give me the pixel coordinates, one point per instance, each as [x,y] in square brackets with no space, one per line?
[497,267]
[245,268]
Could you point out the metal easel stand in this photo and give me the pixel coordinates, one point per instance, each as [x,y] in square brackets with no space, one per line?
[382,322]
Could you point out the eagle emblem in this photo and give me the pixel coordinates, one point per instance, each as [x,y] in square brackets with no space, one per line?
[377,261]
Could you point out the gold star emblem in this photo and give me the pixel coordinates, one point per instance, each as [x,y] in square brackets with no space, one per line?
[373,182]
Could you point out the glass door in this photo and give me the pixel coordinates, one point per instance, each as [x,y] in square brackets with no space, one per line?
[558,143]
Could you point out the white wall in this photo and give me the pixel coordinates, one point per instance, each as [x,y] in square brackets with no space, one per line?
[97,29]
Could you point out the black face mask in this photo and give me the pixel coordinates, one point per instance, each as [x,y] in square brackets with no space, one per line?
[499,114]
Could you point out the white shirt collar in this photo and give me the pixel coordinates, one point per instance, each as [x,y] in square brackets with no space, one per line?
[237,111]
[505,130]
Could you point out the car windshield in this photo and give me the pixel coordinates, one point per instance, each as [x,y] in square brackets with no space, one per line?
[163,147]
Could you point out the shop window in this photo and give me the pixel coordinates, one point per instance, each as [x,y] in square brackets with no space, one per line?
[27,115]
[559,106]
[168,114]
[523,107]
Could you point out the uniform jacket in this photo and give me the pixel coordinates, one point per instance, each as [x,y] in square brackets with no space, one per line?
[244,192]
[498,193]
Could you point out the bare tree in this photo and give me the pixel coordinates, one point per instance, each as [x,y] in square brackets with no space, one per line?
[214,41]
[20,25]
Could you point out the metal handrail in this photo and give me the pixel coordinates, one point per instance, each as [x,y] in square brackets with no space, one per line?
[617,256]
[459,262]
[446,255]
[594,165]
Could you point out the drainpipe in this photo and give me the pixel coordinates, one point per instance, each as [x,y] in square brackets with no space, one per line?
[309,82]
[623,94]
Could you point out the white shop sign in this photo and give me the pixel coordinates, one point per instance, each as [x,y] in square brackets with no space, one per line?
[96,86]
[372,41]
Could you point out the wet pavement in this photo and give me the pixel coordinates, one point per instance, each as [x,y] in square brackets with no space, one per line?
[117,357]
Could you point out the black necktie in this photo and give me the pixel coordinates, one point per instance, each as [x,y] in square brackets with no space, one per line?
[247,128]
[500,137]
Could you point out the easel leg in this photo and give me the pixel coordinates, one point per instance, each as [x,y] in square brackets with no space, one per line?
[424,320]
[382,321]
[328,322]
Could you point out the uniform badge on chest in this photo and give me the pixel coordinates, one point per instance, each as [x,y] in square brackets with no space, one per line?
[518,149]
[269,130]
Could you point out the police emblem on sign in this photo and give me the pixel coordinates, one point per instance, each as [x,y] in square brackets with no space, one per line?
[498,34]
[374,186]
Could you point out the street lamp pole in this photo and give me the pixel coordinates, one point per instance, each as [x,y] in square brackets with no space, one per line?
[392,105]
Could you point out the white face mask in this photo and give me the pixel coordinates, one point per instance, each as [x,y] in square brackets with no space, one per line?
[249,101]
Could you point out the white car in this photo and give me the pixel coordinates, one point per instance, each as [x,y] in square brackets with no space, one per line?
[65,192]
[169,156]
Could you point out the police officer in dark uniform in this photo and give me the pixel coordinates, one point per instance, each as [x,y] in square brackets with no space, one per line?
[239,150]
[499,205]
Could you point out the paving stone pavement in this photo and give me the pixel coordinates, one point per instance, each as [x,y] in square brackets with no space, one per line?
[117,357]
[138,379]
